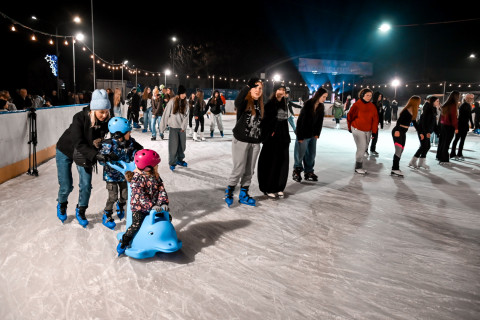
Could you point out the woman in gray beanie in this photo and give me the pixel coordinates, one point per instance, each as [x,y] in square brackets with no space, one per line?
[80,144]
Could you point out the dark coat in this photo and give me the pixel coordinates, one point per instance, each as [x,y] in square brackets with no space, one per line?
[428,119]
[200,108]
[215,108]
[309,122]
[80,136]
[157,107]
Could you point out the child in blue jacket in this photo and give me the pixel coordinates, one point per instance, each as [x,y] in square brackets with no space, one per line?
[121,146]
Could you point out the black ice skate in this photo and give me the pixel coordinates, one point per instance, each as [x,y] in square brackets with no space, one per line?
[296,175]
[310,176]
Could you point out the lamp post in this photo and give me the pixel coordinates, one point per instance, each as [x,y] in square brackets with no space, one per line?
[79,37]
[123,87]
[167,73]
[395,84]
[93,46]
[276,77]
[174,39]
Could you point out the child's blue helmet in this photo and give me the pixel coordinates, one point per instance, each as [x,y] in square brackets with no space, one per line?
[119,125]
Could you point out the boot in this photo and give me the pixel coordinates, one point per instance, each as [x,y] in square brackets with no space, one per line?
[413,163]
[107,219]
[80,214]
[120,210]
[62,211]
[190,131]
[211,134]
[195,138]
[202,137]
[422,164]
[245,198]
[296,174]
[229,195]
[221,133]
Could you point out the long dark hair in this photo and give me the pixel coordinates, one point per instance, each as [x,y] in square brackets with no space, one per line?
[179,105]
[311,102]
[375,98]
[452,102]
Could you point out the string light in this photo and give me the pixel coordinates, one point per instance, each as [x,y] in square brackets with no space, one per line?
[50,41]
[33,37]
[13,28]
[66,42]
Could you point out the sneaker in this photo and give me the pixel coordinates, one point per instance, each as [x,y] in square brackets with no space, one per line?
[310,176]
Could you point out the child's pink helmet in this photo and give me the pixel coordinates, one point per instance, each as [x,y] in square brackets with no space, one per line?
[146,158]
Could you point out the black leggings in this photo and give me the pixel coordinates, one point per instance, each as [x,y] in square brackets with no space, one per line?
[446,135]
[461,135]
[200,120]
[190,117]
[424,147]
[137,220]
[399,143]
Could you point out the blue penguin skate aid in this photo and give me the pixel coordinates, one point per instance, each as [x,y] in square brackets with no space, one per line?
[156,234]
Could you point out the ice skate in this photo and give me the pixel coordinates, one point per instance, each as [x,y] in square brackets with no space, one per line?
[337,126]
[107,220]
[221,133]
[361,171]
[280,194]
[422,164]
[374,153]
[245,198]
[202,138]
[120,248]
[120,210]
[211,134]
[195,137]
[271,195]
[460,158]
[190,131]
[62,211]
[172,168]
[229,195]
[310,176]
[80,214]
[296,175]
[413,163]
[182,163]
[396,173]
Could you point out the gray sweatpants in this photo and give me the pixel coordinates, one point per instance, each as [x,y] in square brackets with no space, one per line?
[113,193]
[362,138]
[177,143]
[218,119]
[244,156]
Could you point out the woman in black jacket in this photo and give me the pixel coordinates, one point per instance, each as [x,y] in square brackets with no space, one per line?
[80,143]
[377,100]
[273,160]
[309,126]
[199,111]
[215,104]
[464,117]
[426,126]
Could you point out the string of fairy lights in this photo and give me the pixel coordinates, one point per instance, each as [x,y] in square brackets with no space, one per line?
[14,27]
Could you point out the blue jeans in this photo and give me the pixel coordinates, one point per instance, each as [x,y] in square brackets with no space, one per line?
[291,120]
[147,115]
[153,125]
[304,154]
[65,180]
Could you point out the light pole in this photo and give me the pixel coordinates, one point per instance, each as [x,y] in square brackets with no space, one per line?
[123,87]
[395,84]
[213,77]
[276,77]
[167,73]
[93,47]
[79,37]
[174,39]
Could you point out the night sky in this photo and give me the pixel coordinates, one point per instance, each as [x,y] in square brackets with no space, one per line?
[252,36]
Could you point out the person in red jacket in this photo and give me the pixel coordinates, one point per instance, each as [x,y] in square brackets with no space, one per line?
[449,126]
[224,101]
[362,120]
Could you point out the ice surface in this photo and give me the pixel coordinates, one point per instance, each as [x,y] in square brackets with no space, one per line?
[346,247]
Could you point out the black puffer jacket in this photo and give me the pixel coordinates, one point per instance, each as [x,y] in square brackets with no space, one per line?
[215,107]
[428,119]
[80,136]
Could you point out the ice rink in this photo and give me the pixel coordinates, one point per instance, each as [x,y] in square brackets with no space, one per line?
[345,247]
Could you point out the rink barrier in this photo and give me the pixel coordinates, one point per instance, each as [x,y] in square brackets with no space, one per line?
[14,136]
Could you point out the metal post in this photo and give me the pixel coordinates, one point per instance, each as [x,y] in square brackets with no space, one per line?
[74,81]
[136,81]
[123,91]
[93,48]
[444,85]
[343,89]
[58,64]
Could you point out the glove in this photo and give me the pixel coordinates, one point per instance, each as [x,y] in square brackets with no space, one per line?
[161,208]
[252,83]
[107,157]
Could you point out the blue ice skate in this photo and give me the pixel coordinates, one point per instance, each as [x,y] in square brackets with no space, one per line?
[80,214]
[172,168]
[245,198]
[108,221]
[62,212]
[156,234]
[229,195]
[120,211]
[182,163]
